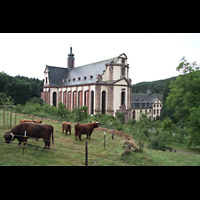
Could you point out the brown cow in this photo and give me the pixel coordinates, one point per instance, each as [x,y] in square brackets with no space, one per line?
[30,121]
[85,129]
[67,127]
[33,130]
[26,120]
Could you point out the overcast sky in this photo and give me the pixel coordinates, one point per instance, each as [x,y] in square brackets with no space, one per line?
[151,56]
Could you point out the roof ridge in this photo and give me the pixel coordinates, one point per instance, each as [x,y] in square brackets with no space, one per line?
[97,62]
[57,67]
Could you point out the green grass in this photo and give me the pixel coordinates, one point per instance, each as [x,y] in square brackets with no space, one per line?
[70,152]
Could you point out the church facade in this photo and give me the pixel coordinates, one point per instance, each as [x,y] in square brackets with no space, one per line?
[104,86]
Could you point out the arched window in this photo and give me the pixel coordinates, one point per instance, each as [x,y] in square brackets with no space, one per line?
[133,114]
[92,102]
[54,98]
[74,99]
[103,106]
[69,100]
[123,98]
[85,97]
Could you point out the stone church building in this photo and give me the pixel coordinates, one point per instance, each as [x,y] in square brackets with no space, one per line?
[104,86]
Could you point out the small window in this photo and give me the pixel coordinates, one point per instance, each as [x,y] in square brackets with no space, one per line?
[123,71]
[91,77]
[123,61]
[73,79]
[46,80]
[84,78]
[78,79]
[140,111]
[68,80]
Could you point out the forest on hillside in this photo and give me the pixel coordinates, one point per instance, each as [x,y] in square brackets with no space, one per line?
[19,88]
[156,87]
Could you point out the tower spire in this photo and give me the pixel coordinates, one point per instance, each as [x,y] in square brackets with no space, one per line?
[70,59]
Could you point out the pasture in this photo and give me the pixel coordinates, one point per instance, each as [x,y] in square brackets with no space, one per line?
[70,152]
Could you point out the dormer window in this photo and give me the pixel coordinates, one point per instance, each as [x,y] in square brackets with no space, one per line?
[78,79]
[91,77]
[123,61]
[73,79]
[46,80]
[84,78]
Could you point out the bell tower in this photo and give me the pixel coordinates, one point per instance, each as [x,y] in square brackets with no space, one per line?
[70,59]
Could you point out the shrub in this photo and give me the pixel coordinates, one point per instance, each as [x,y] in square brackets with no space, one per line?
[158,140]
[120,117]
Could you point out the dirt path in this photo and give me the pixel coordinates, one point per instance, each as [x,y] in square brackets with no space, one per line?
[186,152]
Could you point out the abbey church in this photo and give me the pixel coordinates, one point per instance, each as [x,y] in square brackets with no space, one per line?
[104,86]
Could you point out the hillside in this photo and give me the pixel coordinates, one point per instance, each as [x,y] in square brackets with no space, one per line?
[69,152]
[157,87]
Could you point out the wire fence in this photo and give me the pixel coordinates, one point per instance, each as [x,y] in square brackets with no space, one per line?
[69,149]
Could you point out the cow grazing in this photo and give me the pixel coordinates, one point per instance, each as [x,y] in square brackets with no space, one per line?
[85,129]
[30,121]
[67,127]
[33,130]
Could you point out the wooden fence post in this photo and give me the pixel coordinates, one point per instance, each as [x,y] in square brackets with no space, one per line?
[15,115]
[113,133]
[3,115]
[86,154]
[104,140]
[10,116]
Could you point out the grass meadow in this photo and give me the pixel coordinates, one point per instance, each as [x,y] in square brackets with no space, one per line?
[70,152]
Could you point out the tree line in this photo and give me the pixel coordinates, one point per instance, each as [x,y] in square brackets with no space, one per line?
[19,88]
[157,87]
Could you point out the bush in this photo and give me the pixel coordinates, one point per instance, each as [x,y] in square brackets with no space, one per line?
[158,140]
[80,114]
[120,117]
[131,122]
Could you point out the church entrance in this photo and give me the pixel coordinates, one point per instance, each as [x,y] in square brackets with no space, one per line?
[54,98]
[103,106]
